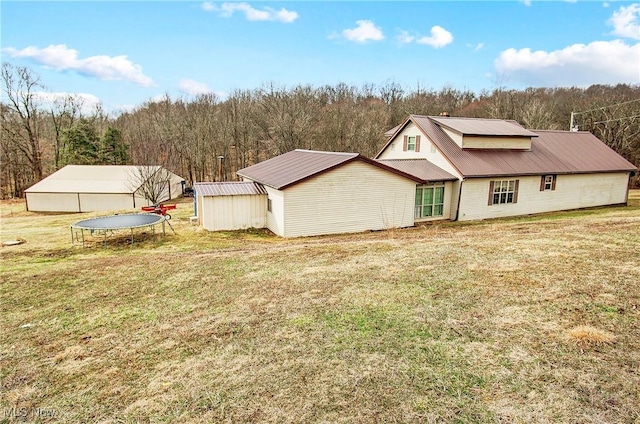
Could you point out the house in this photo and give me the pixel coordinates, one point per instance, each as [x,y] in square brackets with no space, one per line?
[502,169]
[313,193]
[431,168]
[88,188]
[230,205]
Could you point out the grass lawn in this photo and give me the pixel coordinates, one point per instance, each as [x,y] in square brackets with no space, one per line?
[532,319]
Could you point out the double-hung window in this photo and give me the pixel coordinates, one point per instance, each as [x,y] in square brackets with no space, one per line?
[547,182]
[429,201]
[411,143]
[503,191]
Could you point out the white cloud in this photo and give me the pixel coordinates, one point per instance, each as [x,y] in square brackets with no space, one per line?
[526,2]
[478,47]
[405,38]
[252,14]
[625,21]
[363,32]
[88,102]
[599,62]
[193,87]
[62,58]
[440,37]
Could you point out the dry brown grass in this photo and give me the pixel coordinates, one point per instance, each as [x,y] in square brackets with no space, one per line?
[441,323]
[588,336]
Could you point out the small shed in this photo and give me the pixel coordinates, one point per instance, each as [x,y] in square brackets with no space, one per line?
[231,205]
[89,188]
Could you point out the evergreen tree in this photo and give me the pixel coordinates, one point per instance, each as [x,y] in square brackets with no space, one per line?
[83,144]
[114,149]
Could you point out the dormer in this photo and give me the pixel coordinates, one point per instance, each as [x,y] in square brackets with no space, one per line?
[490,134]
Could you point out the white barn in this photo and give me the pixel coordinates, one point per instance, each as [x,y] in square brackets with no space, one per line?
[89,188]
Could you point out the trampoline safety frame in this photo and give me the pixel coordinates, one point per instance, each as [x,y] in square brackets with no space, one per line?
[105,225]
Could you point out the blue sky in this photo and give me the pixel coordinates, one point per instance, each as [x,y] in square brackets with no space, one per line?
[123,53]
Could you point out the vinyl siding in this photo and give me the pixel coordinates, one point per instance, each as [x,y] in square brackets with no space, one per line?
[275,218]
[394,150]
[91,202]
[572,192]
[218,213]
[52,202]
[352,198]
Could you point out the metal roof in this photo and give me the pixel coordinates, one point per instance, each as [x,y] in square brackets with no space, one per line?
[484,127]
[552,152]
[296,166]
[229,188]
[421,168]
[92,179]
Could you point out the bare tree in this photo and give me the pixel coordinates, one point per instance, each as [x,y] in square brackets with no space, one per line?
[18,86]
[151,182]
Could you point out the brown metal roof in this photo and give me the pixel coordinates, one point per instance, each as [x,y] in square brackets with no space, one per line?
[481,126]
[229,188]
[421,168]
[296,166]
[552,152]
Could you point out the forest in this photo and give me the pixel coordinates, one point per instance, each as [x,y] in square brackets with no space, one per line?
[206,138]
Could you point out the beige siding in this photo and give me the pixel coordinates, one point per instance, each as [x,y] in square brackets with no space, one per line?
[352,198]
[218,213]
[572,192]
[53,202]
[427,150]
[275,218]
[520,143]
[93,202]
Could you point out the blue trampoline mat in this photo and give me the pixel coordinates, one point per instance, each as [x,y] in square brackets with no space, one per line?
[118,222]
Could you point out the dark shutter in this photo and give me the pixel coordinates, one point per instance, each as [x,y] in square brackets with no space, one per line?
[543,180]
[406,143]
[491,193]
[515,192]
[553,182]
[417,143]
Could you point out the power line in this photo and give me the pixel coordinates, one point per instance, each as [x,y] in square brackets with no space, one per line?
[606,107]
[616,119]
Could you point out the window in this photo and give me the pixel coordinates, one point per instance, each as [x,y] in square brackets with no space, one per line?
[548,182]
[503,191]
[269,205]
[411,143]
[429,201]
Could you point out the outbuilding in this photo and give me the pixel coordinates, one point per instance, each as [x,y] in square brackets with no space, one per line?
[313,193]
[89,188]
[230,205]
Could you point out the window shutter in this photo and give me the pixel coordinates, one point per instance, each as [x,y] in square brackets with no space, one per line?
[542,182]
[553,183]
[491,193]
[417,143]
[406,143]
[515,192]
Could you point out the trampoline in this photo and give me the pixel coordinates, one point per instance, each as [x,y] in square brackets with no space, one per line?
[106,225]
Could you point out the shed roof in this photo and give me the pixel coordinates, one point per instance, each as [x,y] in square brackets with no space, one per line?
[421,168]
[482,126]
[552,152]
[93,179]
[298,165]
[229,188]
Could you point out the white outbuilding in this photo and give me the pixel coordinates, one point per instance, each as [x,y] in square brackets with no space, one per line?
[89,188]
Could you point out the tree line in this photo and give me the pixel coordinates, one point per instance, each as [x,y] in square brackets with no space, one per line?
[205,138]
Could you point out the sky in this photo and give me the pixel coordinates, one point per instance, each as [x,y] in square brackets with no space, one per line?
[125,53]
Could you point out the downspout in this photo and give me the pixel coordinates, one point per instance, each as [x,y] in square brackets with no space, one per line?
[459,200]
[79,206]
